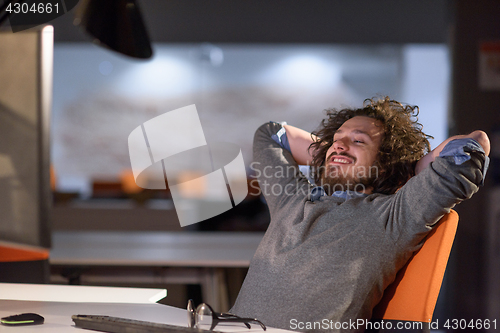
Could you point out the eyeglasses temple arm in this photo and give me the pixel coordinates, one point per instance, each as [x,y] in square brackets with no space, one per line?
[246,320]
[230,317]
[257,321]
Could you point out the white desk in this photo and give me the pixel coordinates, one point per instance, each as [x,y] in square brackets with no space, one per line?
[156,257]
[58,314]
[79,294]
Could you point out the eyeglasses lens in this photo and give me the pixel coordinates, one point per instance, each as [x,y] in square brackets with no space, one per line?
[203,317]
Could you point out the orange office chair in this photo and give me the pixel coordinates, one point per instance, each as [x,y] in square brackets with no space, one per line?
[24,265]
[414,293]
[11,254]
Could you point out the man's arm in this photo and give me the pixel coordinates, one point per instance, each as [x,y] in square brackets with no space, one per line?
[458,169]
[299,141]
[479,136]
[280,179]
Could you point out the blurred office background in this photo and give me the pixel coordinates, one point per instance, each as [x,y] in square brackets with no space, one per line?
[250,61]
[100,97]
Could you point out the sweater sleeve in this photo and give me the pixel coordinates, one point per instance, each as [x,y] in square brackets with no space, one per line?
[425,198]
[461,149]
[279,177]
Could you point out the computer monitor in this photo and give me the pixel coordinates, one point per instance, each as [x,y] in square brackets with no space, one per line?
[26,67]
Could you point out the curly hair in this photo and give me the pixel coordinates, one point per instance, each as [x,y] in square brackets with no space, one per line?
[402,146]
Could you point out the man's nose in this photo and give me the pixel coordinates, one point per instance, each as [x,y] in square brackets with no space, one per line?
[340,145]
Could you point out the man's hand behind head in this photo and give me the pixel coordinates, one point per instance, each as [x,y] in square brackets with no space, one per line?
[482,138]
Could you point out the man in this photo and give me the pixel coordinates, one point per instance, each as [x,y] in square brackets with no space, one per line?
[331,250]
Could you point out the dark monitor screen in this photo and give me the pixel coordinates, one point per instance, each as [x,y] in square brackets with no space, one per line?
[26,65]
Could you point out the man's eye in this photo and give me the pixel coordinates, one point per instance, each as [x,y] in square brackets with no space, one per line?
[358,141]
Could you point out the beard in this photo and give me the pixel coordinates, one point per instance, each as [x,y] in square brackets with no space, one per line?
[358,179]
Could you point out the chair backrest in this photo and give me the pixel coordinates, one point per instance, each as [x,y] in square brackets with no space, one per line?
[413,295]
[11,254]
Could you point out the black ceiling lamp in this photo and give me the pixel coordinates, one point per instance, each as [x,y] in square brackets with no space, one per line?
[116,24]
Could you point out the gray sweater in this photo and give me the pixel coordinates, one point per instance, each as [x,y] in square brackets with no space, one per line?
[327,262]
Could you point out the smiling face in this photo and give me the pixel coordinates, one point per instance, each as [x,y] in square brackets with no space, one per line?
[350,161]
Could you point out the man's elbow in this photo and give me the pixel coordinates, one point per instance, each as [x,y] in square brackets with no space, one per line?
[482,138]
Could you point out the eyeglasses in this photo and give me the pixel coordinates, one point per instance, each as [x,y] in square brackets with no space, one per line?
[204,317]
